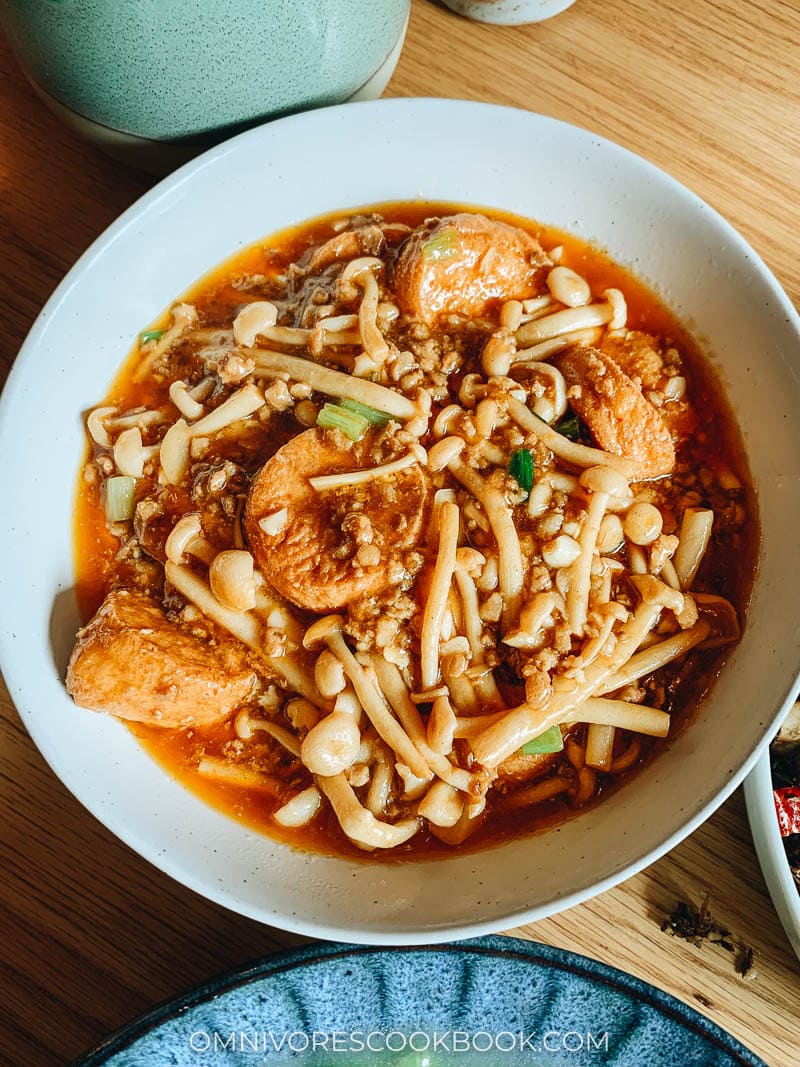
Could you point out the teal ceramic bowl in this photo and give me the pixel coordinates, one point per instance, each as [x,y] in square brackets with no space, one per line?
[189,72]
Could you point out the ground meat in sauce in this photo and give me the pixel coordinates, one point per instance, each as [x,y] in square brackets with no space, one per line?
[368,551]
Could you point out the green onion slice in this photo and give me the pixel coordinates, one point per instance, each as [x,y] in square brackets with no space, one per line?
[443,246]
[572,428]
[550,741]
[336,417]
[150,335]
[521,468]
[118,498]
[373,417]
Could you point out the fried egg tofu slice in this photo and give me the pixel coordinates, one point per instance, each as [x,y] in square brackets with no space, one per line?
[132,661]
[325,550]
[462,263]
[619,417]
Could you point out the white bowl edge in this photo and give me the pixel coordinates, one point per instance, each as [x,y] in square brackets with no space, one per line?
[769,846]
[98,777]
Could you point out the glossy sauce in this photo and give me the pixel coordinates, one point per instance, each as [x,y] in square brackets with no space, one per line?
[729,566]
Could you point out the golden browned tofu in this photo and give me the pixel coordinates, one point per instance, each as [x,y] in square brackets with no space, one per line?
[132,662]
[325,549]
[460,264]
[614,408]
[638,355]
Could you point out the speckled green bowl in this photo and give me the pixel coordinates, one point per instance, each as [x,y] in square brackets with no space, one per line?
[191,70]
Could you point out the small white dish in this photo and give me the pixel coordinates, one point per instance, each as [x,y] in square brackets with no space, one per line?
[509,12]
[252,186]
[769,845]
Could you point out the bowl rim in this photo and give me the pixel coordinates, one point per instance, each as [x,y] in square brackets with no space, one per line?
[16,681]
[783,889]
[592,974]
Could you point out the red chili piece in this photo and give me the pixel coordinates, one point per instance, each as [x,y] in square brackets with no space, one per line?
[787,806]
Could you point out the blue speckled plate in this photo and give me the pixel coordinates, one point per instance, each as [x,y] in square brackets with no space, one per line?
[486,1002]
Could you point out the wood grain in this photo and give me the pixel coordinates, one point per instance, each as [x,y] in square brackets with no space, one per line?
[90,934]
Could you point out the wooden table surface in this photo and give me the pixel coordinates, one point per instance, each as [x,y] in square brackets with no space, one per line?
[90,934]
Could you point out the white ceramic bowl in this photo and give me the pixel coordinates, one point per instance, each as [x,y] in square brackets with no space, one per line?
[251,186]
[771,853]
[509,12]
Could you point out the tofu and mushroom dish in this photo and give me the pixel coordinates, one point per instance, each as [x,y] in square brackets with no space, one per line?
[410,528]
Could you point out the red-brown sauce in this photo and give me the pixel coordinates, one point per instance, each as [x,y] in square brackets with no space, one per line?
[728,568]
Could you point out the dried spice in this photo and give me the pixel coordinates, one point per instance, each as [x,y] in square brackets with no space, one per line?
[744,961]
[697,925]
[691,923]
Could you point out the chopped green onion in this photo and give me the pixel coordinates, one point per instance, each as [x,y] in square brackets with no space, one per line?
[549,741]
[572,428]
[150,335]
[118,498]
[334,417]
[375,418]
[443,246]
[521,468]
